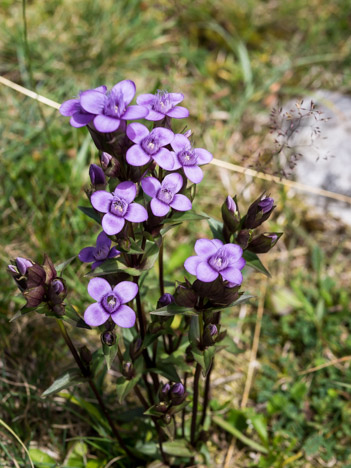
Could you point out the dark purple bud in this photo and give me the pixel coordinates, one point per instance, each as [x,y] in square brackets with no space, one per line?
[23,264]
[57,286]
[258,212]
[185,295]
[164,393]
[97,175]
[264,242]
[231,216]
[266,204]
[108,338]
[165,300]
[128,370]
[210,335]
[34,295]
[243,238]
[105,159]
[177,393]
[213,329]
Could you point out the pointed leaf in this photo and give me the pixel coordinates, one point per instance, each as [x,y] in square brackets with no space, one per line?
[87,210]
[253,261]
[69,378]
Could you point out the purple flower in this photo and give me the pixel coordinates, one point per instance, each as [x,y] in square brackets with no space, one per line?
[213,259]
[110,303]
[177,389]
[21,266]
[100,253]
[266,204]
[231,205]
[111,108]
[57,286]
[149,146]
[165,300]
[97,175]
[72,108]
[163,104]
[118,207]
[165,195]
[105,159]
[189,158]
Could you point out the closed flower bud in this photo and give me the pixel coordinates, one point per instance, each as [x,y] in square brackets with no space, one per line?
[57,286]
[185,295]
[108,338]
[97,175]
[105,159]
[128,370]
[210,335]
[264,242]
[164,392]
[230,215]
[165,300]
[177,393]
[243,238]
[258,212]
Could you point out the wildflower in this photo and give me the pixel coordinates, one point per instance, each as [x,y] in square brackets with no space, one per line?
[258,212]
[214,259]
[100,253]
[165,195]
[163,104]
[72,108]
[189,158]
[110,303]
[20,269]
[149,146]
[118,207]
[112,108]
[97,175]
[264,242]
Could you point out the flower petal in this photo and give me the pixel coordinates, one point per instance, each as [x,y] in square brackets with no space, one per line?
[135,112]
[80,120]
[101,89]
[177,164]
[233,275]
[175,180]
[193,173]
[124,317]
[95,315]
[101,200]
[69,107]
[164,135]
[86,255]
[203,156]
[112,224]
[239,264]
[137,132]
[164,158]
[234,250]
[178,112]
[113,253]
[106,124]
[205,248]
[176,98]
[103,240]
[93,101]
[159,208]
[136,156]
[192,263]
[126,190]
[126,291]
[98,288]
[218,243]
[136,213]
[154,116]
[151,186]
[145,99]
[126,88]
[205,273]
[181,203]
[180,143]
[96,264]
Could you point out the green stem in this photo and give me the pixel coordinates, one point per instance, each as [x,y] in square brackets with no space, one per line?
[195,404]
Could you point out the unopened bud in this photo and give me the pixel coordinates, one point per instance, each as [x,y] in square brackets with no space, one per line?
[128,370]
[165,391]
[165,300]
[57,286]
[210,335]
[108,338]
[264,242]
[97,175]
[177,393]
[230,215]
[258,212]
[105,159]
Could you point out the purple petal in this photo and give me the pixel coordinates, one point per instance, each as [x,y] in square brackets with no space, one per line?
[181,203]
[126,88]
[93,101]
[98,287]
[86,255]
[176,98]
[232,275]
[154,116]
[113,253]
[136,156]
[203,156]
[205,273]
[106,124]
[126,190]
[135,112]
[126,291]
[151,186]
[205,248]
[192,263]
[175,180]
[112,224]
[239,264]
[177,164]
[136,213]
[103,240]
[101,89]
[124,317]
[137,132]
[159,208]
[145,99]
[234,250]
[164,135]
[80,120]
[218,243]
[95,315]
[193,173]
[178,112]
[96,264]
[180,142]
[101,200]
[164,159]
[69,107]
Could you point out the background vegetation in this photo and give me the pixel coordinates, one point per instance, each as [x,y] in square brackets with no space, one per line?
[234,61]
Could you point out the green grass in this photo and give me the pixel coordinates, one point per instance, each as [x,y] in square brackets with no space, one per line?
[233,60]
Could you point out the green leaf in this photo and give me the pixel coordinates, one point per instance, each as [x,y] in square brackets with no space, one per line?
[124,387]
[216,228]
[72,317]
[178,448]
[259,423]
[87,210]
[167,370]
[253,261]
[111,266]
[110,352]
[239,435]
[91,409]
[184,216]
[194,330]
[41,459]
[204,358]
[69,378]
[174,309]
[59,268]
[151,254]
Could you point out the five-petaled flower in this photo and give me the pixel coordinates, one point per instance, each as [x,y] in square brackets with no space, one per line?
[73,108]
[112,108]
[189,158]
[149,146]
[118,207]
[214,259]
[110,303]
[100,253]
[163,104]
[165,195]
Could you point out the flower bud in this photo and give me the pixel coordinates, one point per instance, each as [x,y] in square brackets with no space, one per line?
[57,286]
[185,295]
[177,393]
[210,335]
[97,175]
[164,392]
[105,159]
[258,212]
[230,215]
[108,338]
[243,238]
[128,370]
[264,242]
[161,407]
[23,264]
[165,300]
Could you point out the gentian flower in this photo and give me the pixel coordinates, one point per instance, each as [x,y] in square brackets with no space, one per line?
[112,108]
[110,303]
[100,253]
[163,104]
[189,158]
[118,207]
[72,108]
[266,204]
[165,195]
[214,259]
[97,175]
[149,146]
[21,266]
[258,212]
